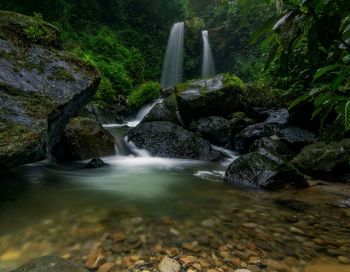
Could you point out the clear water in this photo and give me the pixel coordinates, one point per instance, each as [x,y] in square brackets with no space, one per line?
[208,66]
[173,61]
[62,209]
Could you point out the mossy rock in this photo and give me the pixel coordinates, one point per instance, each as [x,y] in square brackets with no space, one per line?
[24,30]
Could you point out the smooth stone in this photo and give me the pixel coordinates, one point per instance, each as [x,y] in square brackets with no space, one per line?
[250,225]
[169,265]
[344,259]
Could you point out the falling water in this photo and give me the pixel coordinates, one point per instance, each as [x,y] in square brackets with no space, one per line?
[173,62]
[208,67]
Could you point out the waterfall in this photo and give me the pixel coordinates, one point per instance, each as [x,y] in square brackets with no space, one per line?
[173,62]
[208,67]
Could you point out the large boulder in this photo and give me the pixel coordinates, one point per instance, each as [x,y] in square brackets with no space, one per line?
[324,160]
[296,138]
[205,98]
[214,128]
[165,139]
[41,88]
[263,171]
[83,138]
[167,110]
[272,145]
[50,264]
[275,121]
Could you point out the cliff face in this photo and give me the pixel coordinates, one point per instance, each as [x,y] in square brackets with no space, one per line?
[41,88]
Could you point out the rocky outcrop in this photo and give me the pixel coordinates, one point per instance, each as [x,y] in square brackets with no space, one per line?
[165,139]
[215,129]
[263,171]
[41,88]
[106,114]
[205,98]
[296,138]
[275,121]
[324,160]
[83,139]
[50,264]
[167,111]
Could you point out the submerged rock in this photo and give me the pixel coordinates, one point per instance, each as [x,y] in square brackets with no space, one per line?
[205,98]
[41,88]
[95,163]
[50,264]
[168,140]
[260,171]
[84,138]
[215,129]
[324,160]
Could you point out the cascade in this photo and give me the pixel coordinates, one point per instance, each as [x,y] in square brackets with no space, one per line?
[173,62]
[208,67]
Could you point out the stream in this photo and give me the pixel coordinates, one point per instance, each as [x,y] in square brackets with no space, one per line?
[49,208]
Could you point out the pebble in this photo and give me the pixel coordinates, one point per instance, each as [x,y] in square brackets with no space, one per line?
[95,260]
[107,267]
[295,230]
[344,260]
[169,265]
[250,225]
[242,270]
[208,223]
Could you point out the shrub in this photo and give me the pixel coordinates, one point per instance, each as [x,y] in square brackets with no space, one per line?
[105,91]
[233,81]
[144,94]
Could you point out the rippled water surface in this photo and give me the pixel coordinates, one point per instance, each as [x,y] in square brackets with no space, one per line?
[47,208]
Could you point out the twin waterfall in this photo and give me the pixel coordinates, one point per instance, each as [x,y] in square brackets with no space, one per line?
[208,68]
[173,63]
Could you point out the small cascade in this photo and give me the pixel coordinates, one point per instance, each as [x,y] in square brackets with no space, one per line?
[173,62]
[208,67]
[231,155]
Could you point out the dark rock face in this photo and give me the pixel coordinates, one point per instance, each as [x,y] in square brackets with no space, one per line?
[215,129]
[275,121]
[41,88]
[239,121]
[274,146]
[83,139]
[110,114]
[205,98]
[95,163]
[296,137]
[167,110]
[259,171]
[50,264]
[324,160]
[168,140]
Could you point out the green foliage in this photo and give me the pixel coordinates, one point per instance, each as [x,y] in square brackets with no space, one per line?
[105,91]
[144,94]
[233,81]
[310,56]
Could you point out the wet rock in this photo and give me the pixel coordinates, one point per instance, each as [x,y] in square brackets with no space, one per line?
[50,264]
[342,204]
[168,140]
[107,114]
[95,259]
[275,121]
[210,97]
[291,204]
[95,163]
[242,270]
[274,146]
[239,121]
[215,129]
[83,139]
[47,89]
[259,171]
[324,160]
[107,267]
[169,265]
[167,110]
[296,138]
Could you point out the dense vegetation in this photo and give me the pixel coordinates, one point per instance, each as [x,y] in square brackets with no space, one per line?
[309,58]
[300,47]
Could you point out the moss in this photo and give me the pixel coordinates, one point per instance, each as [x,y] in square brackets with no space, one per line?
[233,81]
[260,95]
[61,74]
[35,105]
[26,30]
